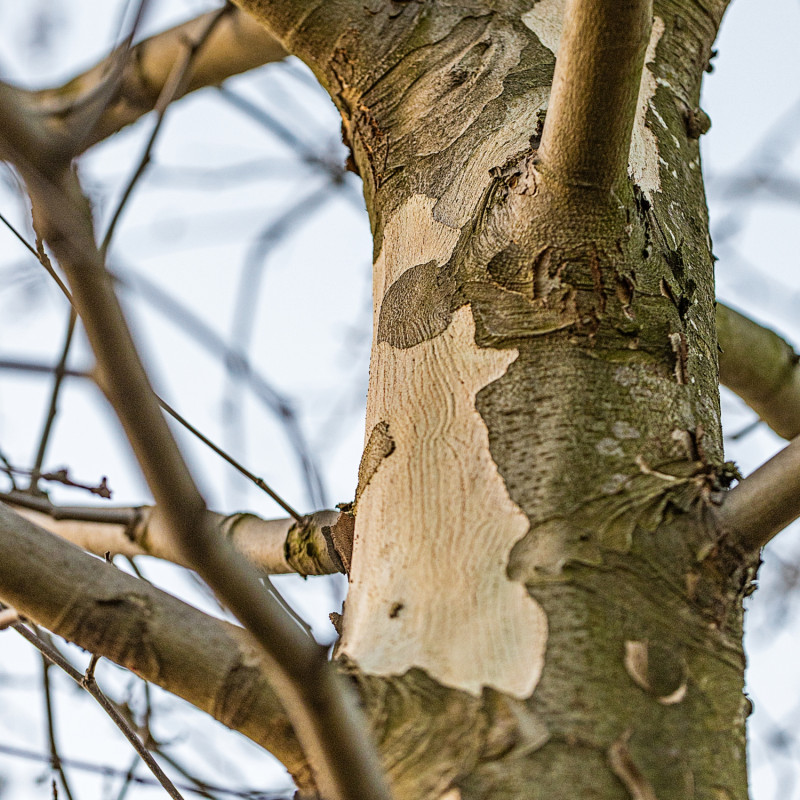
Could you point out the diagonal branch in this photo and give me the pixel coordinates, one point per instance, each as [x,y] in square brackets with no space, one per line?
[237,44]
[322,711]
[764,503]
[210,663]
[52,656]
[762,368]
[587,131]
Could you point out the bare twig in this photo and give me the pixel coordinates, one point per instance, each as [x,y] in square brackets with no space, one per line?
[21,365]
[764,503]
[113,772]
[52,411]
[237,45]
[62,476]
[39,257]
[232,461]
[587,132]
[55,758]
[173,87]
[88,682]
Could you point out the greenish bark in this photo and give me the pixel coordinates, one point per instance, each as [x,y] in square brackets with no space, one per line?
[605,428]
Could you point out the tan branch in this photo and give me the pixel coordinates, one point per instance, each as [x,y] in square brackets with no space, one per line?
[587,132]
[762,368]
[322,710]
[238,43]
[764,503]
[275,546]
[212,664]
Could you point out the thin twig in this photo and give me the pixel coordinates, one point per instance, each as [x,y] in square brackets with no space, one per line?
[113,772]
[39,257]
[232,461]
[52,410]
[88,682]
[55,758]
[21,365]
[62,476]
[747,430]
[173,88]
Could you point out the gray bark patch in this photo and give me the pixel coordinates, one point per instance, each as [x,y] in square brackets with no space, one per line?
[380,445]
[417,306]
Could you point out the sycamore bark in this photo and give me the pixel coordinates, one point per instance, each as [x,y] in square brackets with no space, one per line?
[540,603]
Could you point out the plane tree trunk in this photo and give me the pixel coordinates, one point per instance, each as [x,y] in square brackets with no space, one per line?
[540,604]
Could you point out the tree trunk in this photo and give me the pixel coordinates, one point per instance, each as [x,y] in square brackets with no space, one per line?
[540,605]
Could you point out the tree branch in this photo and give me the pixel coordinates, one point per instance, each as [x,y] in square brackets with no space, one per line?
[762,368]
[764,503]
[587,132]
[210,663]
[275,546]
[323,713]
[238,43]
[308,29]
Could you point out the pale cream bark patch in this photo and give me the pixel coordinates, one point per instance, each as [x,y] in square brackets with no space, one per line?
[411,237]
[545,20]
[435,527]
[644,156]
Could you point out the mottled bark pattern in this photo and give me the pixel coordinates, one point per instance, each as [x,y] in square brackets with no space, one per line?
[604,427]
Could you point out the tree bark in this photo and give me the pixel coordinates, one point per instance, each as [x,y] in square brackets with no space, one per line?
[541,604]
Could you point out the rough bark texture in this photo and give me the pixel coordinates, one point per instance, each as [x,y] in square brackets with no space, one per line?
[540,605]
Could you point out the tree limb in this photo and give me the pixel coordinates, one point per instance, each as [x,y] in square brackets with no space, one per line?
[275,546]
[323,713]
[762,368]
[308,29]
[587,132]
[210,663]
[238,43]
[764,503]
